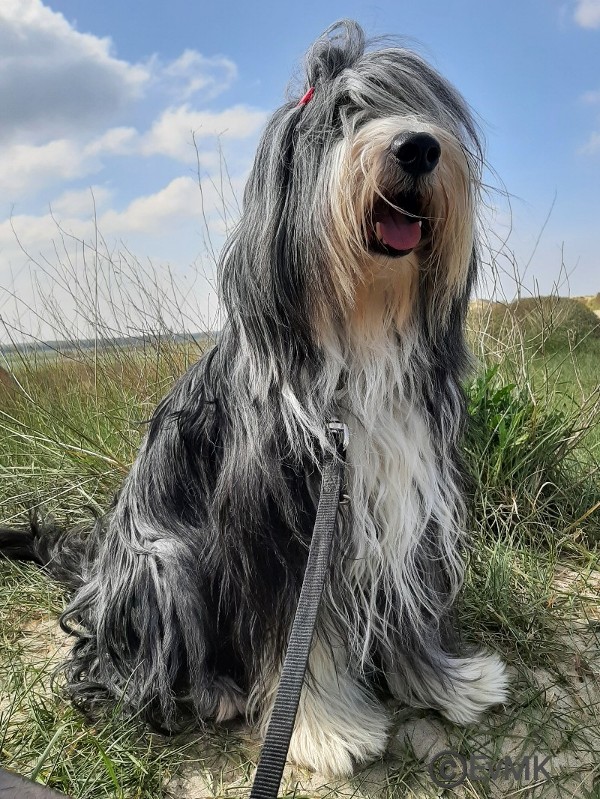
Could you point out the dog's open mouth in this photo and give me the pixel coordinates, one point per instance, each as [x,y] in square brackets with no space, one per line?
[395,226]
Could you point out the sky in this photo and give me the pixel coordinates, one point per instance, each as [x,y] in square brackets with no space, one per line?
[127,131]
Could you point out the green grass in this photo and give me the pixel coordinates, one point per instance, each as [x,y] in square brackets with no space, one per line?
[549,347]
[70,427]
[45,738]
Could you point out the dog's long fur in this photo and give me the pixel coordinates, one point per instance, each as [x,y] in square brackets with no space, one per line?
[185,590]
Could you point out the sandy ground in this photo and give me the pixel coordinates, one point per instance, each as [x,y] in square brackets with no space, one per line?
[554,716]
[561,734]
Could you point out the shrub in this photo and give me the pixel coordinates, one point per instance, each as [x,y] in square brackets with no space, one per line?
[524,454]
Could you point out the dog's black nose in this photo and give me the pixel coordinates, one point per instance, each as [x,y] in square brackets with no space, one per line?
[418,153]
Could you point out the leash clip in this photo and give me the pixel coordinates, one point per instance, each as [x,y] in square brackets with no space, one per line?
[340,432]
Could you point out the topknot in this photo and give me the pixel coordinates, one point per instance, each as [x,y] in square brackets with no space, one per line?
[339,48]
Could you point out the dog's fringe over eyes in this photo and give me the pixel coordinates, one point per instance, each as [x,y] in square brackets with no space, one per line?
[346,284]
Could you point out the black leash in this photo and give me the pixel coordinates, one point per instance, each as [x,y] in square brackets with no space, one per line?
[279,732]
[18,787]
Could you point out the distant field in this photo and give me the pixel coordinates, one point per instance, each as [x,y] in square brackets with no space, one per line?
[592,301]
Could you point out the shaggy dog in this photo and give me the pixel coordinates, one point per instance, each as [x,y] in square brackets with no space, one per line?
[346,285]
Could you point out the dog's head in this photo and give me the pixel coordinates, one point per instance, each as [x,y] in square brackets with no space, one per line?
[362,198]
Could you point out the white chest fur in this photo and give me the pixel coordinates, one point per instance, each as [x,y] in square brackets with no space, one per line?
[401,488]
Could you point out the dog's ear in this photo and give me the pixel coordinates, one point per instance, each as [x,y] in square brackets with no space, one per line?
[272,272]
[272,268]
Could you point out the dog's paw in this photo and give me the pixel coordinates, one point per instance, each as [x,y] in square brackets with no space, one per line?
[472,686]
[332,745]
[231,701]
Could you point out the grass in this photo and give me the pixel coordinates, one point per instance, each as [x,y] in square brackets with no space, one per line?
[71,424]
[45,739]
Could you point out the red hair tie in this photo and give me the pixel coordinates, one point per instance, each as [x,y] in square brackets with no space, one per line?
[307,97]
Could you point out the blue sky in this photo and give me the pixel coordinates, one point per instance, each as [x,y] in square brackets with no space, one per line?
[99,100]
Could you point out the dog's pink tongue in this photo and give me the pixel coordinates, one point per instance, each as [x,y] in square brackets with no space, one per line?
[399,231]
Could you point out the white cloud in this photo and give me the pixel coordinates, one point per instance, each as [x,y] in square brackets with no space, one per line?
[182,203]
[61,89]
[177,202]
[54,79]
[192,73]
[35,233]
[592,145]
[73,114]
[56,82]
[172,133]
[27,168]
[174,206]
[115,141]
[81,202]
[591,98]
[587,13]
